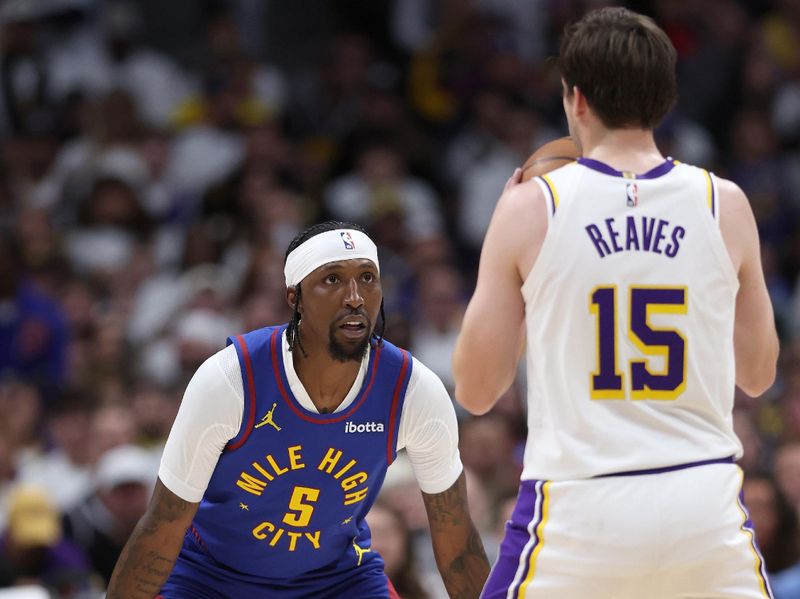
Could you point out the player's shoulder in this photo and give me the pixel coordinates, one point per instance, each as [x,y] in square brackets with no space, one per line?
[522,204]
[394,355]
[426,386]
[730,194]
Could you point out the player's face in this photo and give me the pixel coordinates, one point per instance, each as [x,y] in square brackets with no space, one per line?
[339,306]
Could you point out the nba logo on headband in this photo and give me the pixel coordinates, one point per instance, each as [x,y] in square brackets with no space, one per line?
[347,239]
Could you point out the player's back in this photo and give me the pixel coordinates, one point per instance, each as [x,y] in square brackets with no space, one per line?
[629,319]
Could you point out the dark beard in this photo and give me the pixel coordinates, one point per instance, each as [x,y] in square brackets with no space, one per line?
[341,353]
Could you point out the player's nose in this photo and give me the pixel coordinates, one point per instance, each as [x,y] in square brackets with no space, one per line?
[353,298]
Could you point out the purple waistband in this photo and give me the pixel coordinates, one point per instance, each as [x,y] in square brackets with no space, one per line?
[727,460]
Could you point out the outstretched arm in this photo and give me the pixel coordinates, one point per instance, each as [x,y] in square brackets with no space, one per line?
[148,556]
[456,543]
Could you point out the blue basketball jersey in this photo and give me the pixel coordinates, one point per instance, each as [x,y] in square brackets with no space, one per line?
[291,490]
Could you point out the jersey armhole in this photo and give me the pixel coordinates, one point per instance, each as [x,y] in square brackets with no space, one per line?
[550,195]
[712,196]
[248,384]
[398,400]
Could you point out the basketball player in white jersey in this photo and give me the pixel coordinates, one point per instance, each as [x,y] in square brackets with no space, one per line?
[636,281]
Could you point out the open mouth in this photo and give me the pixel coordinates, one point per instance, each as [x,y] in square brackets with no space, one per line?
[353,327]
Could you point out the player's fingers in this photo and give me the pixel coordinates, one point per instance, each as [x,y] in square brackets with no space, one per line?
[514,179]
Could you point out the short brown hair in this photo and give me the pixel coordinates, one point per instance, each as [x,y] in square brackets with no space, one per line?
[623,63]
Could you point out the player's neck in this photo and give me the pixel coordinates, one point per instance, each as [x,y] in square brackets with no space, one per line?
[326,380]
[632,150]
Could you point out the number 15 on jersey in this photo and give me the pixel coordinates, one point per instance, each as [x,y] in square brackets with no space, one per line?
[608,381]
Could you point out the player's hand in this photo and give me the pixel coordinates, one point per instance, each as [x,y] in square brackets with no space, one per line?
[514,179]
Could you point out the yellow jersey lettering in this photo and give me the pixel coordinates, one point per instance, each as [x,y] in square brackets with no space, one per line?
[278,470]
[295,457]
[355,496]
[293,536]
[353,481]
[349,465]
[314,538]
[330,460]
[277,537]
[265,530]
[257,530]
[299,503]
[260,468]
[251,484]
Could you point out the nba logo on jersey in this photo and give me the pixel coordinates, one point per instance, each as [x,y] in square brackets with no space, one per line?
[632,191]
[347,239]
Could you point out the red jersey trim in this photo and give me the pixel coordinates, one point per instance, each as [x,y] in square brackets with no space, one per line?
[251,396]
[390,440]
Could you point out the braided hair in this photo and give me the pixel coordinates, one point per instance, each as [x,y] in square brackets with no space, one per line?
[292,330]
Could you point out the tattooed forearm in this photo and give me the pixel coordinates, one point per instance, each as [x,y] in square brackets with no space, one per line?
[456,543]
[148,557]
[169,508]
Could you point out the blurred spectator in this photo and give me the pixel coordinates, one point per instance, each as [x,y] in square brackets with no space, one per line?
[155,82]
[392,540]
[514,131]
[33,331]
[440,307]
[21,411]
[111,223]
[380,178]
[69,459]
[8,473]
[486,446]
[327,97]
[154,409]
[774,520]
[27,104]
[787,472]
[106,147]
[33,550]
[753,461]
[113,425]
[103,521]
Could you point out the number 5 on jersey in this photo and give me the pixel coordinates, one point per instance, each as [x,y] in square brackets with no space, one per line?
[300,508]
[607,382]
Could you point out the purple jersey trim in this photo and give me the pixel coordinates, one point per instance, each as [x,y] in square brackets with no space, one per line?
[653,173]
[520,540]
[549,191]
[728,460]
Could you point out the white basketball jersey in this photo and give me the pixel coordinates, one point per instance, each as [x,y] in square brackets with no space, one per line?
[629,319]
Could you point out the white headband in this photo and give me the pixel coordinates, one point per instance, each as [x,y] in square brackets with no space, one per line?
[330,246]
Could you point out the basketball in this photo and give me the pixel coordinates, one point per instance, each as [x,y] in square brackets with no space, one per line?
[549,157]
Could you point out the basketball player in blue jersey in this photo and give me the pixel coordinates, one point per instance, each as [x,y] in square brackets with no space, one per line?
[637,285]
[281,445]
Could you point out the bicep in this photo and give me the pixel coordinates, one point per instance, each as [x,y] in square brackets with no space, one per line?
[740,233]
[429,431]
[209,416]
[755,338]
[488,346]
[497,308]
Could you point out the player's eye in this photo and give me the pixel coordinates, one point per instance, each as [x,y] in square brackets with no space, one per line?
[368,277]
[332,279]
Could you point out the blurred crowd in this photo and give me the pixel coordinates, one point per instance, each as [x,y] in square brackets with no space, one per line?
[157,158]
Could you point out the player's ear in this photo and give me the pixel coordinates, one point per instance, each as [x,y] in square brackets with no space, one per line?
[291,295]
[580,101]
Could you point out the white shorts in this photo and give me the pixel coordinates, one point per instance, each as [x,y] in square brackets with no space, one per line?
[682,534]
